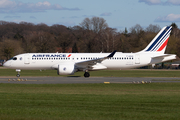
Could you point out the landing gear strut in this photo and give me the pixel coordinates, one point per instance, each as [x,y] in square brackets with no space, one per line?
[86,74]
[18,70]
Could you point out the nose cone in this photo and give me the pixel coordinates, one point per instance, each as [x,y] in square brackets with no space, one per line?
[7,64]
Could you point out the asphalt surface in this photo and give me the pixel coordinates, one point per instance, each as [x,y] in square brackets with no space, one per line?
[79,80]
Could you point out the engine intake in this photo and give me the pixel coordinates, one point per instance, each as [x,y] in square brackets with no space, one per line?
[66,69]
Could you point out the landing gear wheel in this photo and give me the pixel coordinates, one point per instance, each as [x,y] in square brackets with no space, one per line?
[18,75]
[18,70]
[86,74]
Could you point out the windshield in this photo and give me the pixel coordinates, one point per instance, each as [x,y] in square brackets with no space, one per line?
[14,58]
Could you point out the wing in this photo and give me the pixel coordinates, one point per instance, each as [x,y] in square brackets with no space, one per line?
[94,64]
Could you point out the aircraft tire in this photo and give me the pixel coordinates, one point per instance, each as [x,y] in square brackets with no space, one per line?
[86,74]
[18,75]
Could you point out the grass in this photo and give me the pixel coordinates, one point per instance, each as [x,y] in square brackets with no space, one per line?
[90,101]
[103,73]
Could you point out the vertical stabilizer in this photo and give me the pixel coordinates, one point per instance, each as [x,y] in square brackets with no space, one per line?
[159,43]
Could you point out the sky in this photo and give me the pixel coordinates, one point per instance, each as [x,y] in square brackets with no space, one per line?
[119,14]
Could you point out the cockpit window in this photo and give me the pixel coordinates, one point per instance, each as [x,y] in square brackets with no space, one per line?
[14,58]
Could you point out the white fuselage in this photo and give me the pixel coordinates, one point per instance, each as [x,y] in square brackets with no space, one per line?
[120,60]
[69,63]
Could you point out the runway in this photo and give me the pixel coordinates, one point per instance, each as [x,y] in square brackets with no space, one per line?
[80,80]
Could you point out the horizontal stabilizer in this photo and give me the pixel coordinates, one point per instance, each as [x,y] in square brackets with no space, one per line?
[162,56]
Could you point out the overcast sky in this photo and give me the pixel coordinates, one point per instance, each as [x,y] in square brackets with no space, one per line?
[117,13]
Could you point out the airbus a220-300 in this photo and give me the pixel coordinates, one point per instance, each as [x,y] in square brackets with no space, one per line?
[69,63]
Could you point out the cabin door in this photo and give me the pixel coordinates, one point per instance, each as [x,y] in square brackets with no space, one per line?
[26,59]
[137,59]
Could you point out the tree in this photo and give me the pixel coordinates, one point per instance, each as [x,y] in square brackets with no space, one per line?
[44,42]
[74,48]
[64,41]
[125,32]
[137,34]
[9,48]
[137,29]
[93,29]
[174,25]
[175,31]
[98,24]
[153,28]
[95,24]
[108,39]
[86,24]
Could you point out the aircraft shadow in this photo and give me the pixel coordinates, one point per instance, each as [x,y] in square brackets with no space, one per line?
[73,76]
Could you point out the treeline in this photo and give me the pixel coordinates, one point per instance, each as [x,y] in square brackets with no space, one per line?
[91,35]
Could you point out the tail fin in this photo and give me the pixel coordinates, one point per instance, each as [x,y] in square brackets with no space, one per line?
[159,43]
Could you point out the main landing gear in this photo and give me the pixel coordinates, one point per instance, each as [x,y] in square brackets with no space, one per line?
[86,74]
[18,70]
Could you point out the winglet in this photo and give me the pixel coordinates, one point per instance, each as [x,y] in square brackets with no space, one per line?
[112,54]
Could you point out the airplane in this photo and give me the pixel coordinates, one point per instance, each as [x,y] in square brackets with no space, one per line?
[69,63]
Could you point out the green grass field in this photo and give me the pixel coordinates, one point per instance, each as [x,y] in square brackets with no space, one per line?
[90,101]
[105,73]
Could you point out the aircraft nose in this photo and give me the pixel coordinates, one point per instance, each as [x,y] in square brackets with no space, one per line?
[6,64]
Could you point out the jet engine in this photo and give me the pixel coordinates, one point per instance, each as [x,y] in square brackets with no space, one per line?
[66,69]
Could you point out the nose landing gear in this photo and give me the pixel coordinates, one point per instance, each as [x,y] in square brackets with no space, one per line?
[18,70]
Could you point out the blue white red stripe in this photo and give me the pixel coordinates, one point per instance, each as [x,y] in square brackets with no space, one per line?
[161,41]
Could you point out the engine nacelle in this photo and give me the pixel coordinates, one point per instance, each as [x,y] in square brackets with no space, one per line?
[66,69]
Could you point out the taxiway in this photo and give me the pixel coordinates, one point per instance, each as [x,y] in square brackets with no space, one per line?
[79,80]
